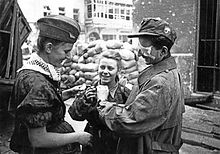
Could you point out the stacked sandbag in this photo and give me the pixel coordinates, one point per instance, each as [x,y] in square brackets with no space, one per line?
[129,64]
[83,65]
[129,70]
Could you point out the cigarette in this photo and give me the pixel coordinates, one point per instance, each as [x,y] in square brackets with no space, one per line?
[119,105]
[63,62]
[152,57]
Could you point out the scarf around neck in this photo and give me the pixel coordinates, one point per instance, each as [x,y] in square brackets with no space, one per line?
[36,63]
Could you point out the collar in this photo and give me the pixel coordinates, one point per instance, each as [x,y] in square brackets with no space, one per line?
[36,63]
[112,91]
[149,72]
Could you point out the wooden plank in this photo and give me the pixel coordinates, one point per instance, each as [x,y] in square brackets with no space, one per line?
[202,141]
[208,107]
[191,149]
[24,33]
[11,44]
[3,54]
[4,31]
[7,82]
[201,116]
[16,47]
[201,127]
[4,12]
[198,99]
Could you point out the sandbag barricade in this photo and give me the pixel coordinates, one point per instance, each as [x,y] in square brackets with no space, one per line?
[82,67]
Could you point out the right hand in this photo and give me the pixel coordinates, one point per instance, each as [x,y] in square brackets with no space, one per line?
[85,138]
[91,95]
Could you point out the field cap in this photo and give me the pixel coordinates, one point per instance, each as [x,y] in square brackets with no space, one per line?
[155,27]
[59,27]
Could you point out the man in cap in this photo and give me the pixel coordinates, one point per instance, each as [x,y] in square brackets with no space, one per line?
[39,126]
[151,121]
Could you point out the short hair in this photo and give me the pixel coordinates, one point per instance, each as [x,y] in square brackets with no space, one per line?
[41,41]
[113,54]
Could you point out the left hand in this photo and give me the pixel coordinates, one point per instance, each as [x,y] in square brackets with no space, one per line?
[107,106]
[71,92]
[91,95]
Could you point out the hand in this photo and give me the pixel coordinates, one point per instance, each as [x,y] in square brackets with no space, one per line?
[85,138]
[91,95]
[71,91]
[108,106]
[68,93]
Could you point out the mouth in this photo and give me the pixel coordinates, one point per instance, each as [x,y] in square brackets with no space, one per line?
[104,77]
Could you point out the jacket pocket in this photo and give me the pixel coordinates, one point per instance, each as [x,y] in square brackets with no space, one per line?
[163,147]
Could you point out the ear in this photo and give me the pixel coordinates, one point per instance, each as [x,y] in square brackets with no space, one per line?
[164,51]
[48,47]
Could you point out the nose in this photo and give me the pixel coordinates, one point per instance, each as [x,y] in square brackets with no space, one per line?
[68,55]
[105,71]
[139,53]
[143,52]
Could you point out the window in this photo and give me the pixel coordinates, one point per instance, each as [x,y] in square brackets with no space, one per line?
[116,13]
[100,10]
[76,14]
[89,10]
[122,11]
[110,11]
[62,11]
[106,11]
[47,10]
[208,57]
[123,38]
[122,14]
[128,14]
[108,37]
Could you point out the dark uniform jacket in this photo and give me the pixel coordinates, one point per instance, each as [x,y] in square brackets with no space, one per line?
[105,141]
[151,122]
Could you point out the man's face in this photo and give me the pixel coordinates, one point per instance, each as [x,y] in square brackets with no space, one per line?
[107,71]
[59,53]
[149,52]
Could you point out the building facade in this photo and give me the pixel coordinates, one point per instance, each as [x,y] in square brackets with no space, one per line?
[98,19]
[197,48]
[108,19]
[33,10]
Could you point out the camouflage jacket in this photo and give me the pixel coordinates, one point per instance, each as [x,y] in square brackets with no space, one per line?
[151,122]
